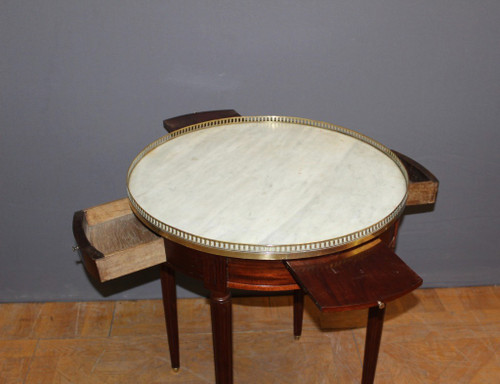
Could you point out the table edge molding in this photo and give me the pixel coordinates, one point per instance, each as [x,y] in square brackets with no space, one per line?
[270,251]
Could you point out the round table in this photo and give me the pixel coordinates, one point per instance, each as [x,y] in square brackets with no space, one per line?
[267,187]
[258,202]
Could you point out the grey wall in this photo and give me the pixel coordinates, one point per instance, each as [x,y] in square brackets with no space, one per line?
[86,84]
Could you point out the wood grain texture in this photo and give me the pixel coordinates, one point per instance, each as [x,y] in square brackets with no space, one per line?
[259,275]
[132,259]
[430,336]
[15,359]
[372,343]
[423,187]
[215,279]
[168,288]
[107,211]
[375,274]
[115,243]
[252,275]
[175,123]
[89,254]
[298,312]
[119,234]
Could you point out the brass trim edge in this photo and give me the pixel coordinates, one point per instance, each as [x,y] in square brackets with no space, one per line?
[267,252]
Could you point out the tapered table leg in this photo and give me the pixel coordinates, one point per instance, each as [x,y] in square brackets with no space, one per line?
[170,307]
[372,342]
[220,306]
[298,312]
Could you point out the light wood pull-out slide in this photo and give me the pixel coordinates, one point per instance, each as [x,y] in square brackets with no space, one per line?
[113,242]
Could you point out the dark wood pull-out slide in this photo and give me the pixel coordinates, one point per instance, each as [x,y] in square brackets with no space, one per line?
[365,277]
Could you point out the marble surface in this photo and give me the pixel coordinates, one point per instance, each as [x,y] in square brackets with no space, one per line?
[267,183]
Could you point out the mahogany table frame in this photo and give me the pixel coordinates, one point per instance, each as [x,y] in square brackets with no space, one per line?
[365,276]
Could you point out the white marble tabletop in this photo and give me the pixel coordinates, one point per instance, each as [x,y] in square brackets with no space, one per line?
[267,189]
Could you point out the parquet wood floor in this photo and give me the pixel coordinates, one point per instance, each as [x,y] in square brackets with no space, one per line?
[430,336]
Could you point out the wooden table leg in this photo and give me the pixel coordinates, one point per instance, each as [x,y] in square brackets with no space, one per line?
[215,279]
[298,312]
[167,275]
[220,306]
[372,342]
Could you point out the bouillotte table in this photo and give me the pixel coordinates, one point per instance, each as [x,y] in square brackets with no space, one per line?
[262,203]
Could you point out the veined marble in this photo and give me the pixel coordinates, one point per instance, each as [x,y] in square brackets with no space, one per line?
[267,183]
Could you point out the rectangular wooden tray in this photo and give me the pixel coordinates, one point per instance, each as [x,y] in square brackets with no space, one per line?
[113,242]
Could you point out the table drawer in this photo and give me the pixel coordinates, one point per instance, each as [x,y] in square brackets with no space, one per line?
[113,242]
[423,187]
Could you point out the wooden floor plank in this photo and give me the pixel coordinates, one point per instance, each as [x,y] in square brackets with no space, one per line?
[66,320]
[15,359]
[145,317]
[276,357]
[270,313]
[138,359]
[17,320]
[447,335]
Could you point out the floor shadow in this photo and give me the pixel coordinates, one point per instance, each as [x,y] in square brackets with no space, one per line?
[145,276]
[358,318]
